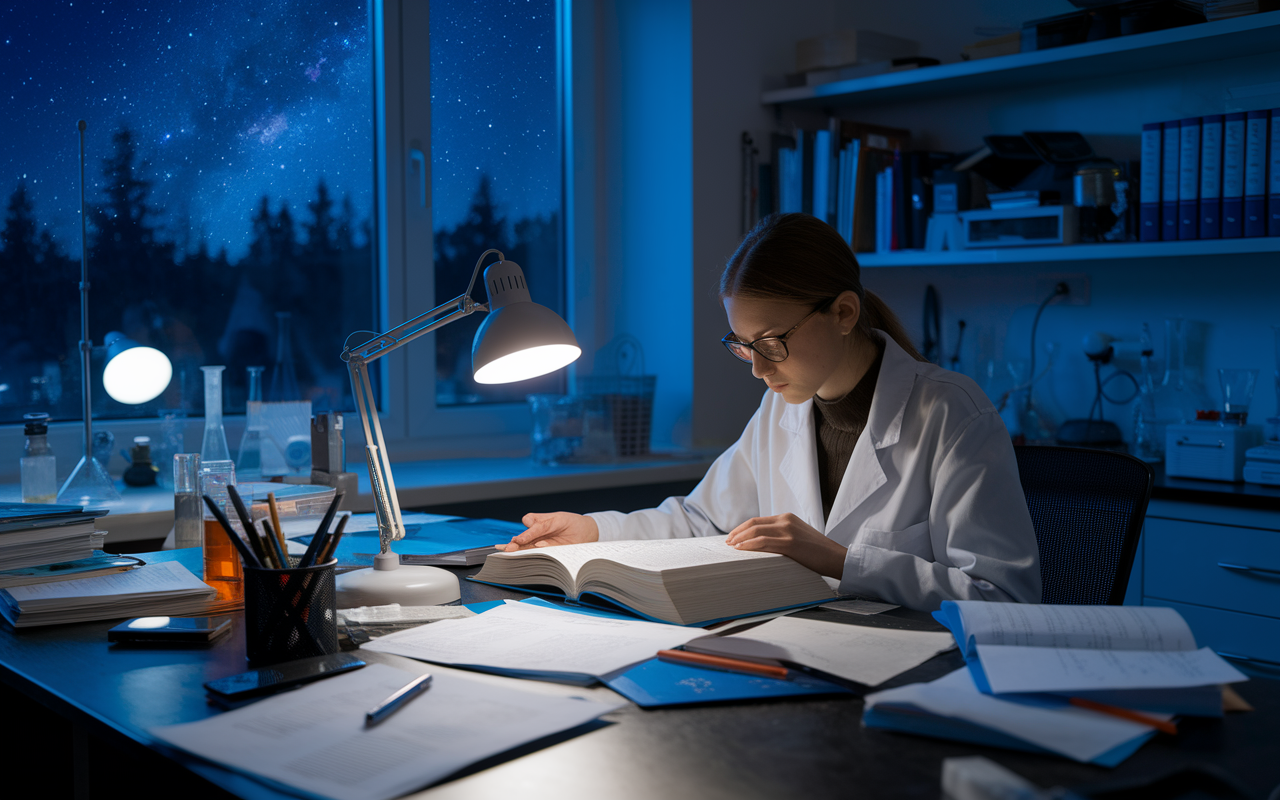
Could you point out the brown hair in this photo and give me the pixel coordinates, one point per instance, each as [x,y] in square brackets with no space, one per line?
[801,259]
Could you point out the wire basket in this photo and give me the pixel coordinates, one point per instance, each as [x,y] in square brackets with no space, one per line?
[627,397]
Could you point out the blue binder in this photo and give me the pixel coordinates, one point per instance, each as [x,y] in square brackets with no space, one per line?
[1211,177]
[1255,174]
[1189,178]
[1233,136]
[1149,184]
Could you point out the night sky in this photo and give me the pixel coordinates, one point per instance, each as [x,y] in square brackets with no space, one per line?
[234,100]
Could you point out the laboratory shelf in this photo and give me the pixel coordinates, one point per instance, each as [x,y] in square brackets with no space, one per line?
[1074,252]
[1208,41]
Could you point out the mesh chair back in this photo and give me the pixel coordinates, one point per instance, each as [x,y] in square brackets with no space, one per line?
[1087,507]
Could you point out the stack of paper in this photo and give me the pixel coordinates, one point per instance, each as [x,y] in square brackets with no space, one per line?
[32,534]
[167,588]
[314,739]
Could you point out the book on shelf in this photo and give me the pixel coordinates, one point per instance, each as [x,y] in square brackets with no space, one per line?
[1255,173]
[695,581]
[1273,176]
[165,588]
[1170,150]
[1189,178]
[1149,185]
[1233,140]
[1211,177]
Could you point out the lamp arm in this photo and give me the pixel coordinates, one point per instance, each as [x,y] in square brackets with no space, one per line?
[386,502]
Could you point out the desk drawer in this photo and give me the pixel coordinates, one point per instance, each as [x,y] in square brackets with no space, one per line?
[1227,632]
[1181,562]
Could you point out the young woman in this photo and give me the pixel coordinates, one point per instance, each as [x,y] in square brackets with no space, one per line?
[865,463]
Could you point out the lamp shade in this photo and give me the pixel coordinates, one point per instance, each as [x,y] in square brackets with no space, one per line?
[134,374]
[520,339]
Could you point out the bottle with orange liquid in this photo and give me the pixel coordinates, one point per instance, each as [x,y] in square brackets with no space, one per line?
[222,568]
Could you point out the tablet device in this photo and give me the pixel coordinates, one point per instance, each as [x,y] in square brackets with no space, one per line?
[169,630]
[257,682]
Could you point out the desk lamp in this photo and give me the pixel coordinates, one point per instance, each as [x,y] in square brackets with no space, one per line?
[133,375]
[519,340]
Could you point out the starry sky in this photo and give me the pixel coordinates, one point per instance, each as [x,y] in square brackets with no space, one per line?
[231,100]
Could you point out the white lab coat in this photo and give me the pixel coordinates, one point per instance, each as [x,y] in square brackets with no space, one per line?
[930,506]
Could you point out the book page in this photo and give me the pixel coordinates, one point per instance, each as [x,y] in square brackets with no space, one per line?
[1091,627]
[314,738]
[163,576]
[1059,669]
[519,636]
[647,554]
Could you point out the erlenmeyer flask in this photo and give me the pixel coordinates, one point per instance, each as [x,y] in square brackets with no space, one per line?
[284,376]
[249,458]
[214,447]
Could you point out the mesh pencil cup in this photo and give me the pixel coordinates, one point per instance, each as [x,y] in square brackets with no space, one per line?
[290,613]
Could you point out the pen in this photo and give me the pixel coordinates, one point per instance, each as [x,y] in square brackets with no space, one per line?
[1123,713]
[727,664]
[396,701]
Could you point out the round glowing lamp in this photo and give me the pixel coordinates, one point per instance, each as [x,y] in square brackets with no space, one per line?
[134,373]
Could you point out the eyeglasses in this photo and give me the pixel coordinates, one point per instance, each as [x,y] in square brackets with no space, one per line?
[772,348]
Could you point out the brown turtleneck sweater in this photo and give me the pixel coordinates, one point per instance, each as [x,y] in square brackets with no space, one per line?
[839,423]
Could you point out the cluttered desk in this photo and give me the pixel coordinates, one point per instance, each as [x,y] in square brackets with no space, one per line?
[879,718]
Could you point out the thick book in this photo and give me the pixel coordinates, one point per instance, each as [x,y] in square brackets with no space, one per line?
[1255,174]
[694,581]
[1211,177]
[1149,186]
[1170,152]
[1189,178]
[1273,176]
[1233,136]
[99,563]
[166,588]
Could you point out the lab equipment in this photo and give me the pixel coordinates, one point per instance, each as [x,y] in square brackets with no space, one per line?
[558,422]
[141,471]
[171,441]
[249,458]
[188,513]
[38,464]
[214,447]
[1148,432]
[1237,393]
[284,377]
[1209,450]
[222,569]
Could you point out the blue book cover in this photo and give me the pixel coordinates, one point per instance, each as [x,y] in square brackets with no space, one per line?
[1169,161]
[1273,176]
[1149,184]
[1211,177]
[1255,174]
[1189,178]
[1233,136]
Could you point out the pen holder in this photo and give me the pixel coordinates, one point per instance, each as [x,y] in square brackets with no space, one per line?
[290,613]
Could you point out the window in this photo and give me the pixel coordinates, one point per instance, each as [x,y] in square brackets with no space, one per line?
[229,186]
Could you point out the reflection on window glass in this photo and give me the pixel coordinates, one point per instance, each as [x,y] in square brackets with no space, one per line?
[495,169]
[229,171]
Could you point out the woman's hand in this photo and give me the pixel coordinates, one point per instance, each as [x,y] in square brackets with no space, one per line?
[792,537]
[559,527]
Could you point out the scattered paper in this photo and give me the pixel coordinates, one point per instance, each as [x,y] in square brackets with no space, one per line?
[863,607]
[396,613]
[1010,668]
[865,655]
[528,638]
[314,739]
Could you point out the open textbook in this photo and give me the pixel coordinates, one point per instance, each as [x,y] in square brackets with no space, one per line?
[1015,647]
[683,581]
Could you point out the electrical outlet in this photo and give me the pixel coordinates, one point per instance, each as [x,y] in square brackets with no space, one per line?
[1077,288]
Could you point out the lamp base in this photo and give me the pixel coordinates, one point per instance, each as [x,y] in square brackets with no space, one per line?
[390,582]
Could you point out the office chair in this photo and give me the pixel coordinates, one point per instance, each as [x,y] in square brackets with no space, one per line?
[1087,508]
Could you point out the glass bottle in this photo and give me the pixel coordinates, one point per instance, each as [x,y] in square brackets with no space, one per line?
[249,457]
[38,465]
[214,447]
[141,472]
[188,510]
[222,568]
[284,377]
[1148,431]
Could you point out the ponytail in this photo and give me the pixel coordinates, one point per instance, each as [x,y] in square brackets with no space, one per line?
[801,259]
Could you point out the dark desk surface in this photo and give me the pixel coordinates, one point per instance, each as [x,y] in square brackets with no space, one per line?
[786,748]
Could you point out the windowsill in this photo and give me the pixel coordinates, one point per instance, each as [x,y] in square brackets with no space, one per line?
[147,512]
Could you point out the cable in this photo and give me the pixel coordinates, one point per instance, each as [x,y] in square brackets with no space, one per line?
[1061,290]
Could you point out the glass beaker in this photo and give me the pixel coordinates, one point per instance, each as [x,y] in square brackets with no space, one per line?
[1237,392]
[170,442]
[222,568]
[214,447]
[1148,430]
[188,510]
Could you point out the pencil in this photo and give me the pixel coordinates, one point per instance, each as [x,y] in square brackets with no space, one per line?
[275,521]
[281,554]
[331,544]
[246,555]
[1124,713]
[720,662]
